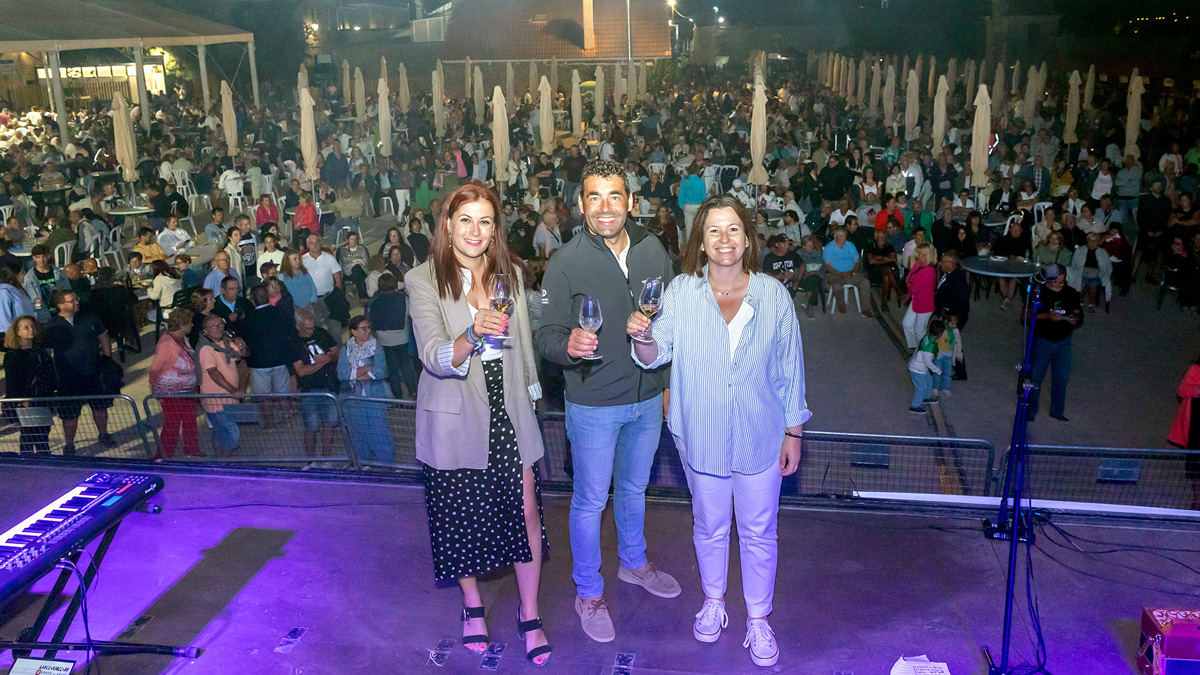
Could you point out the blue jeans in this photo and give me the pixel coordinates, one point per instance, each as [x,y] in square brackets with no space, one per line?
[1055,357]
[922,387]
[946,363]
[610,445]
[225,432]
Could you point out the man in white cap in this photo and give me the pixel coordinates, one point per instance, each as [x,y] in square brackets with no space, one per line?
[739,191]
[1059,314]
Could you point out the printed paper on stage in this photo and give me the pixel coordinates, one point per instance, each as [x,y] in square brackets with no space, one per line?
[918,665]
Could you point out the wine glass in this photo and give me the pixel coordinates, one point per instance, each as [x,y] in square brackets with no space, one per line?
[500,294]
[649,301]
[590,320]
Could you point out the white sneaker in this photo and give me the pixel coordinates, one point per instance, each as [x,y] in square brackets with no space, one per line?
[761,641]
[710,620]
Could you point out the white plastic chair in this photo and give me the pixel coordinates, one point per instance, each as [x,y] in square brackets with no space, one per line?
[6,212]
[1039,211]
[114,248]
[657,167]
[710,178]
[845,296]
[237,197]
[180,177]
[63,253]
[1014,218]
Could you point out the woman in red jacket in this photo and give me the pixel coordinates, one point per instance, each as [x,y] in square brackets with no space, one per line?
[265,212]
[306,221]
[1185,433]
[921,282]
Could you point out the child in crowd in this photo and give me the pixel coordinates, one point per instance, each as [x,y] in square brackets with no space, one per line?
[922,367]
[949,350]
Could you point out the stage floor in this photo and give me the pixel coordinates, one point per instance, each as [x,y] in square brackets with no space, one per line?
[350,564]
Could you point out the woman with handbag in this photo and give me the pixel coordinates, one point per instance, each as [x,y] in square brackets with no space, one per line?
[29,373]
[173,379]
[477,432]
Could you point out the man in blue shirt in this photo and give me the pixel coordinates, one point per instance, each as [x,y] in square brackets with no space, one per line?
[844,268]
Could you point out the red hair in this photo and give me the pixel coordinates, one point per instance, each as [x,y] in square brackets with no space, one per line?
[441,252]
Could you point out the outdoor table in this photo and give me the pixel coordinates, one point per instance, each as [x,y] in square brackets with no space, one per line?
[997,266]
[132,213]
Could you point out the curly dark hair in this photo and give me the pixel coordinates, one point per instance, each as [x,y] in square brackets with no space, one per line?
[604,168]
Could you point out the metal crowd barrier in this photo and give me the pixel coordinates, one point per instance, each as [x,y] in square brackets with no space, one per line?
[831,464]
[269,429]
[1120,476]
[382,431]
[39,426]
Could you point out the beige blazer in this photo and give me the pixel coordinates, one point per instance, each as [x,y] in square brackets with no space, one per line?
[453,416]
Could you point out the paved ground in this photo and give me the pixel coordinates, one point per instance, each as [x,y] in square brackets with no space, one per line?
[350,563]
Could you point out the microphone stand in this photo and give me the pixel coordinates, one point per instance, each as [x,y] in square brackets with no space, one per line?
[1017,526]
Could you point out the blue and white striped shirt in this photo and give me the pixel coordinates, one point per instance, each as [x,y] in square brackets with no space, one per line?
[731,412]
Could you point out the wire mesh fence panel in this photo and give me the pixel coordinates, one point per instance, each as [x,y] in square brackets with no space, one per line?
[105,427]
[839,465]
[1151,478]
[831,464]
[270,429]
[382,431]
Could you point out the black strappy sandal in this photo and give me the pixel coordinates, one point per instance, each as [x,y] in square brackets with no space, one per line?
[469,613]
[526,626]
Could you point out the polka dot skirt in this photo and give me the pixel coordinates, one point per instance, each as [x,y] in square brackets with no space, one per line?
[476,517]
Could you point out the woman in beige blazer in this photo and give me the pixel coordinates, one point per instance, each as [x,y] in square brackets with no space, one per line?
[477,432]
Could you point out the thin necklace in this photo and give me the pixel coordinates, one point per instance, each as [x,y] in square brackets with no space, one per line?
[720,292]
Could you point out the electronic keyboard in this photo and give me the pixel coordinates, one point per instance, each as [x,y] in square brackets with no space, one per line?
[97,505]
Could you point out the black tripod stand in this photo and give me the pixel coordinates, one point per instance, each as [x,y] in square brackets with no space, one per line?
[1015,520]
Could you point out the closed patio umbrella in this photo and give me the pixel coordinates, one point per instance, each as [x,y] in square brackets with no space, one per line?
[533,80]
[403,99]
[889,97]
[480,103]
[347,83]
[969,85]
[302,78]
[932,77]
[441,75]
[1029,105]
[758,135]
[308,136]
[576,105]
[642,80]
[545,116]
[360,96]
[1089,88]
[1069,135]
[126,146]
[554,75]
[998,89]
[509,78]
[1133,123]
[1016,79]
[981,138]
[618,90]
[860,97]
[500,138]
[875,77]
[467,74]
[939,113]
[951,76]
[228,119]
[598,98]
[912,107]
[439,106]
[851,84]
[385,117]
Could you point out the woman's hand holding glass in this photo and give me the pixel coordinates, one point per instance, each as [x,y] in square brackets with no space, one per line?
[638,327]
[489,322]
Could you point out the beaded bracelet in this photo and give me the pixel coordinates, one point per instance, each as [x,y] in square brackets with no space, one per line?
[471,337]
[794,434]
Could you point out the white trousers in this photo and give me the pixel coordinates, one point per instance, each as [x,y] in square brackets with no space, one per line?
[689,215]
[755,499]
[915,326]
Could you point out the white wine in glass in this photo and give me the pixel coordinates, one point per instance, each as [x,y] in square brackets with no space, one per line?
[590,319]
[650,300]
[500,295]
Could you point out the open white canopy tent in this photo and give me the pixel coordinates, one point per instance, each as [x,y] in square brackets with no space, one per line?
[36,26]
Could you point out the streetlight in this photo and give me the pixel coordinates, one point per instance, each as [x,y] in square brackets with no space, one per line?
[720,19]
[315,26]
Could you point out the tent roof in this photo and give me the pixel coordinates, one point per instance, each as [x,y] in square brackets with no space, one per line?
[47,25]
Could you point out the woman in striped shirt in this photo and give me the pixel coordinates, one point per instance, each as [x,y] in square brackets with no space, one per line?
[737,407]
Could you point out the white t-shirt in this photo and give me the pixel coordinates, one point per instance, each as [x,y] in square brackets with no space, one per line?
[740,320]
[275,256]
[322,270]
[174,241]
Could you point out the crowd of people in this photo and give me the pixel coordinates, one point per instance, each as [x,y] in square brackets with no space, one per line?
[279,292]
